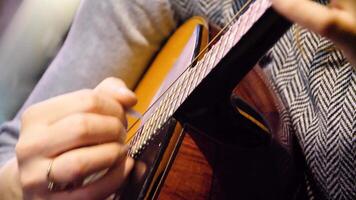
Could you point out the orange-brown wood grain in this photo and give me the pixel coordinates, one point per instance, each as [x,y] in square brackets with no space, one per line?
[254,88]
[204,168]
[191,174]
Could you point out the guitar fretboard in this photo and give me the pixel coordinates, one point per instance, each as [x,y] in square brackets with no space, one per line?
[179,91]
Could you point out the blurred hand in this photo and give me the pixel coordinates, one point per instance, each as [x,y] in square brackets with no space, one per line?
[336,21]
[80,133]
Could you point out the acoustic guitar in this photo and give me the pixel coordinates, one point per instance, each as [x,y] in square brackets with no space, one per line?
[197,139]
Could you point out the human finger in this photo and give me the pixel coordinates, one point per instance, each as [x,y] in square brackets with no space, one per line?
[118,90]
[304,12]
[336,21]
[347,5]
[79,163]
[102,188]
[83,129]
[88,101]
[327,21]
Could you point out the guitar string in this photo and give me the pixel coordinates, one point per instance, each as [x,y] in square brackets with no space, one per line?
[217,36]
[192,82]
[208,55]
[195,80]
[194,77]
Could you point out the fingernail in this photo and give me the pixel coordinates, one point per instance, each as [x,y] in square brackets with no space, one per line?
[126,92]
[133,113]
[126,148]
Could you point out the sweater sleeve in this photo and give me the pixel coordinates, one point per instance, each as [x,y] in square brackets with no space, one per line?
[27,46]
[107,38]
[8,139]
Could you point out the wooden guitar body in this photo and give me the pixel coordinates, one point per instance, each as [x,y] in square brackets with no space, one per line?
[211,148]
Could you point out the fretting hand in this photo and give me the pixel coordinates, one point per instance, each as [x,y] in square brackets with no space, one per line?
[337,21]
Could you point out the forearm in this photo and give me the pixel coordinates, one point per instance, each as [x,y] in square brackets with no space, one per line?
[9,181]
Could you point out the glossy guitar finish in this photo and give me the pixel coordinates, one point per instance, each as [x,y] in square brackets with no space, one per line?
[163,149]
[225,149]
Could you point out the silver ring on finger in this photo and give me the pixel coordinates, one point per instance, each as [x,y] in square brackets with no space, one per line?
[51,184]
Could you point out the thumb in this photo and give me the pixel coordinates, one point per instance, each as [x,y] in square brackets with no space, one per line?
[117,89]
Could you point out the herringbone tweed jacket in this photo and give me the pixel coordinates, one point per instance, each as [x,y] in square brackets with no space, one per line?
[317,86]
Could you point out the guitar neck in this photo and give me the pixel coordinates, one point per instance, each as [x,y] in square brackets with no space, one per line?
[210,80]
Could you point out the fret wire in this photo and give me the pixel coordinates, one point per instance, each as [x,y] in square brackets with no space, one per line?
[149,127]
[223,45]
[206,69]
[162,106]
[224,41]
[192,81]
[137,144]
[144,131]
[214,56]
[137,134]
[194,78]
[205,61]
[132,141]
[236,31]
[191,74]
[188,85]
[145,128]
[208,56]
[148,131]
[134,147]
[183,86]
[179,88]
[152,130]
[179,85]
[201,69]
[146,135]
[219,52]
[184,75]
[157,125]
[159,120]
[224,28]
[229,42]
[158,109]
[242,29]
[174,107]
[130,147]
[164,116]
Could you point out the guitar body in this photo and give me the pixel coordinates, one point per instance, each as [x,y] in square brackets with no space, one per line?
[192,157]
